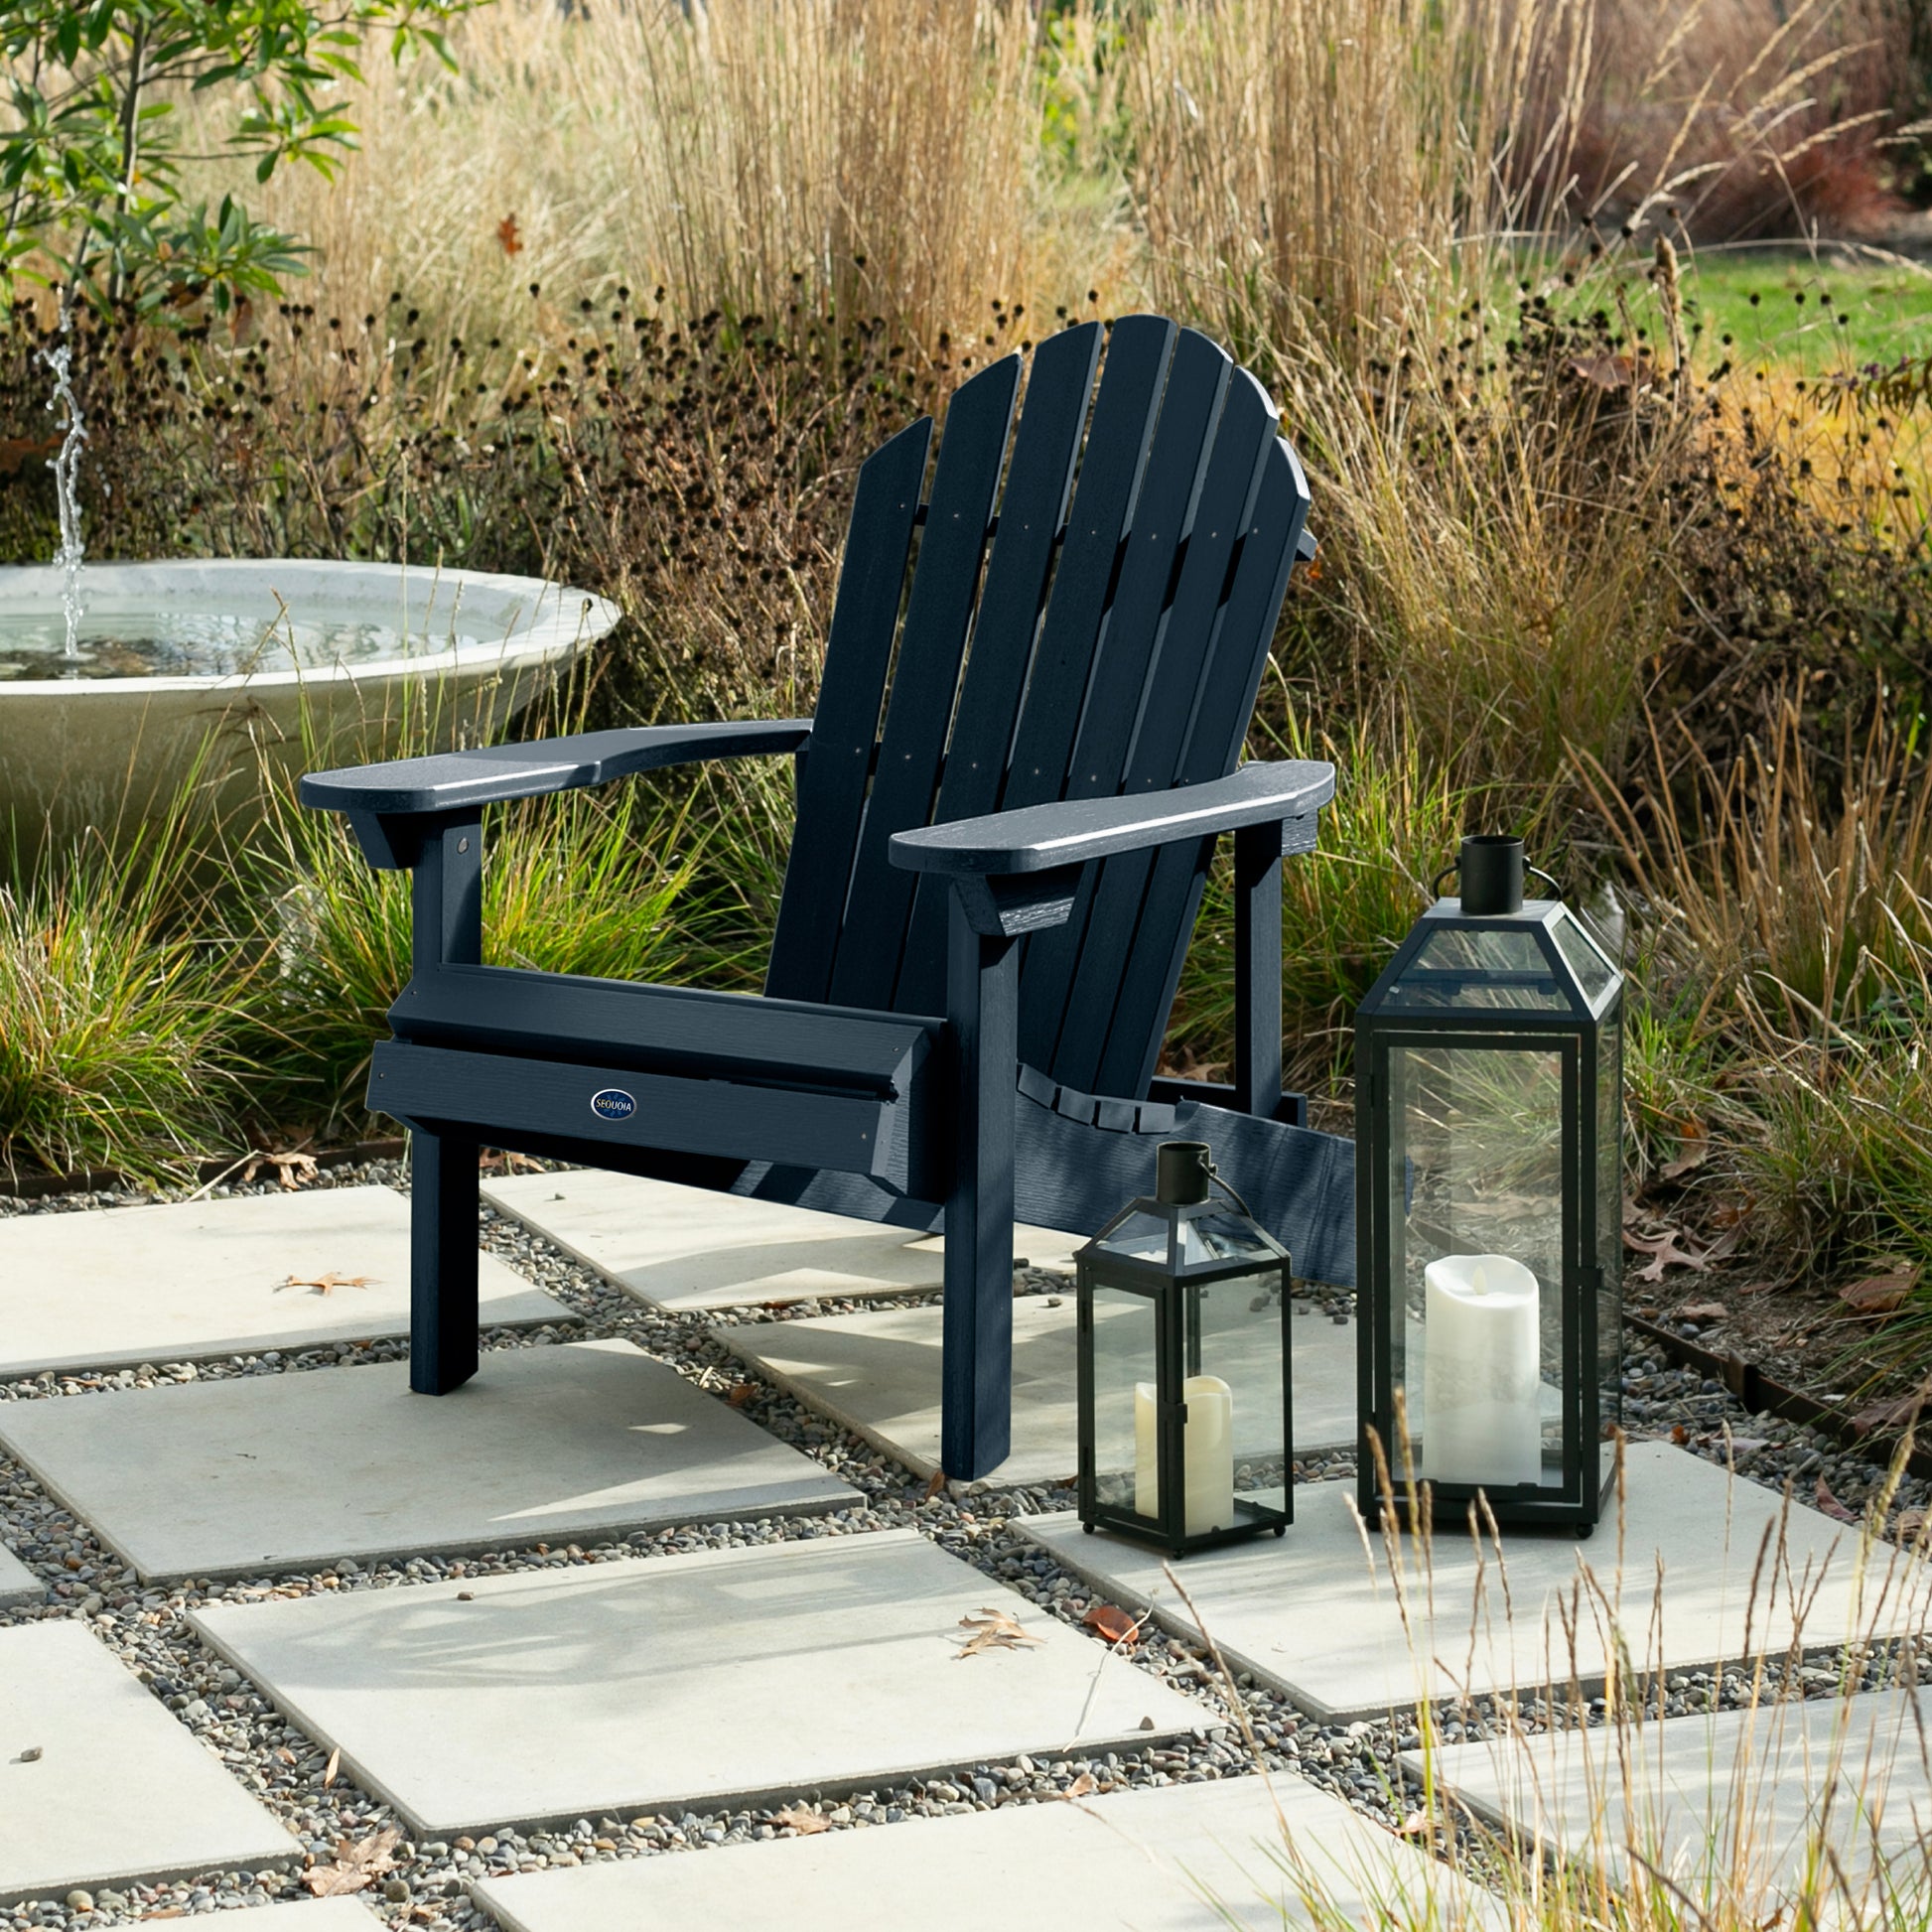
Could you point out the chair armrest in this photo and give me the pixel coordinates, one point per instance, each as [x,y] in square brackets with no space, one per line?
[1043,838]
[493,773]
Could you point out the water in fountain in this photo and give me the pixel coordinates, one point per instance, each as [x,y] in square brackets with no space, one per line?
[189,643]
[66,464]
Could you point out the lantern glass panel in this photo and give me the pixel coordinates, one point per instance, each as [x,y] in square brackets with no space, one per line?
[1124,1356]
[1471,969]
[1219,1236]
[1595,974]
[1199,1240]
[1477,1166]
[1239,1328]
[1609,1231]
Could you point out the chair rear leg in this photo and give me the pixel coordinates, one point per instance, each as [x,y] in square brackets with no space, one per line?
[441,1262]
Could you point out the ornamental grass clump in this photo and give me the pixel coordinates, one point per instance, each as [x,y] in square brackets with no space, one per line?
[125,996]
[1554,1799]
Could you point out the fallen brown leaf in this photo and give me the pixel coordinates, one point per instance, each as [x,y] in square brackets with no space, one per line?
[1112,1623]
[935,1483]
[330,1768]
[1416,1825]
[801,1821]
[292,1167]
[994,1630]
[1693,1146]
[325,1284]
[1907,1524]
[1679,1434]
[1081,1787]
[1610,373]
[1901,1414]
[739,1393]
[1702,1312]
[1664,1251]
[1880,1293]
[506,1161]
[1830,1505]
[510,236]
[355,1866]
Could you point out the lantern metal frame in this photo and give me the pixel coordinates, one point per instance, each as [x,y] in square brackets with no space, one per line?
[1581,1033]
[1177,1356]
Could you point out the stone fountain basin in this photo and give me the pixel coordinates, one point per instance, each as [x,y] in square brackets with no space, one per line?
[113,752]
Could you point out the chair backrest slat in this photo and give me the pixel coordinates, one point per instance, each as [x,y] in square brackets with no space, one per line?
[1197,380]
[1118,651]
[933,642]
[858,651]
[1138,352]
[1104,962]
[1038,482]
[1274,524]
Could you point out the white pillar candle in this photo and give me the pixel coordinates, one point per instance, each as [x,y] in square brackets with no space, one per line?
[1481,1409]
[1207,1453]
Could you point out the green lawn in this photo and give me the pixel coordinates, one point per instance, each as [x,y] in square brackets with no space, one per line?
[1782,308]
[1764,309]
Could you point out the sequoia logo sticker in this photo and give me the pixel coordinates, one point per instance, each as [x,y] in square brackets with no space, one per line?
[612,1104]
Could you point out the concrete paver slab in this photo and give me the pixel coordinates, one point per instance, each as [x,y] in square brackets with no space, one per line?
[18,1583]
[1739,1799]
[1316,1613]
[1151,1861]
[290,1471]
[116,1790]
[689,1248]
[315,1915]
[878,1373]
[190,1280]
[661,1684]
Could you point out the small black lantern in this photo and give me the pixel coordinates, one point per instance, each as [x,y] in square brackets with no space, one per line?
[1185,1424]
[1489,1070]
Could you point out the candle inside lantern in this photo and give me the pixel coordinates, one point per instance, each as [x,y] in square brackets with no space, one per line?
[1481,1414]
[1207,1453]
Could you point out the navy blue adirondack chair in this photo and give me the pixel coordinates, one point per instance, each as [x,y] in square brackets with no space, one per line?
[993,875]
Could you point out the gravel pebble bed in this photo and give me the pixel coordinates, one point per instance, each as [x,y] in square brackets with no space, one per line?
[1243,1725]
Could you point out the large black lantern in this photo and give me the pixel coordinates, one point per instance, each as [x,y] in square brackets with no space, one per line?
[1185,1424]
[1488,1067]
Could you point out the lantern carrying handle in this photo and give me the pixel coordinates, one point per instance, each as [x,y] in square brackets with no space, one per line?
[1214,1176]
[1451,869]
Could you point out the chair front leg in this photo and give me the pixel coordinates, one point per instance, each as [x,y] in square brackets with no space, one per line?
[976,1374]
[447,916]
[441,1262]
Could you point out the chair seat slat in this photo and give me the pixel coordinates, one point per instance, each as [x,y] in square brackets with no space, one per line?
[562,1016]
